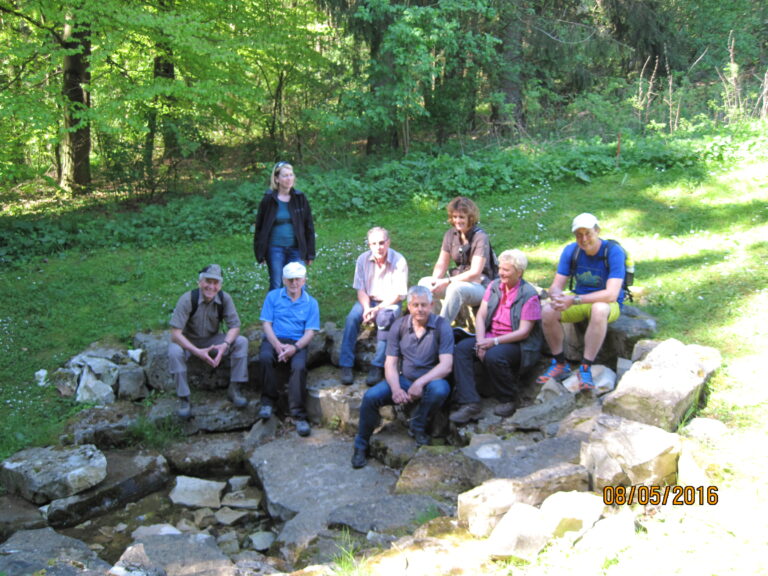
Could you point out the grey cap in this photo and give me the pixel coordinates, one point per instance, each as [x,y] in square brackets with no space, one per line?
[211,271]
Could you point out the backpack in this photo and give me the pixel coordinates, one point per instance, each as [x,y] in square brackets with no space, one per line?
[195,296]
[629,275]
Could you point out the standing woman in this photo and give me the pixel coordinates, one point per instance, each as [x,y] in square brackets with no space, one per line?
[470,249]
[284,231]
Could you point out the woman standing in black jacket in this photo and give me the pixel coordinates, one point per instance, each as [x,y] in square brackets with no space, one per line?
[284,231]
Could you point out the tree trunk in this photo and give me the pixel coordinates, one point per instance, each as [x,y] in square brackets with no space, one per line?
[508,117]
[76,142]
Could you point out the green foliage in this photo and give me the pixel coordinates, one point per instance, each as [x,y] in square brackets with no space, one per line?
[155,434]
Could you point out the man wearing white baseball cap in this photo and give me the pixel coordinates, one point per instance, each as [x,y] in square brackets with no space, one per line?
[290,319]
[598,268]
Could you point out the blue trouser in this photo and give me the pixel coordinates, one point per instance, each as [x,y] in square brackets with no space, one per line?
[352,324]
[277,257]
[501,365]
[433,397]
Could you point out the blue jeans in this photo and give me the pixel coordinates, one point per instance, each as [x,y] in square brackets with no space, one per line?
[352,329]
[434,396]
[277,257]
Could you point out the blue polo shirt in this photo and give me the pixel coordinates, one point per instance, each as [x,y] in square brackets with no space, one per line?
[290,319]
[591,273]
[419,355]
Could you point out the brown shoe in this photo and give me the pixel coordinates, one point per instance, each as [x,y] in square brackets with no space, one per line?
[505,409]
[466,413]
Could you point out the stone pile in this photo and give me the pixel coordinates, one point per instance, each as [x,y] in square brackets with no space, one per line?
[241,496]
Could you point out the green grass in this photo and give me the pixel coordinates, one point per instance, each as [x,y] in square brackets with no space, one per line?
[697,235]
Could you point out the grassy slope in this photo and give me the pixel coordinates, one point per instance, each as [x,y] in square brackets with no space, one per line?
[699,240]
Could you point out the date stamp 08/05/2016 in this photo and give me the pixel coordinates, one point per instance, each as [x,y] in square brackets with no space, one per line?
[660,495]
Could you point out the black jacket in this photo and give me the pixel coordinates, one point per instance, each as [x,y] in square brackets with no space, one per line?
[301,218]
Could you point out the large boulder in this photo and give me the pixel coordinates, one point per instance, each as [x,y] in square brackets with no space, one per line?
[663,387]
[131,475]
[44,474]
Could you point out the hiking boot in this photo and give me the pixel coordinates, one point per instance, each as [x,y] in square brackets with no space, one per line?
[585,378]
[265,413]
[234,395]
[505,409]
[466,413]
[347,377]
[375,375]
[302,428]
[557,371]
[359,458]
[185,409]
[422,438]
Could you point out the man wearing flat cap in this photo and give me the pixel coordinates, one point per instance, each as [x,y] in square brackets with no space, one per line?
[598,268]
[196,331]
[290,319]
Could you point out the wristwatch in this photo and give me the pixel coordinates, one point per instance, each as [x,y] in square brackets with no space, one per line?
[577,299]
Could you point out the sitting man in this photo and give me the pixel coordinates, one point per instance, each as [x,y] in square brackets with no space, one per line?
[381,281]
[597,298]
[291,317]
[508,341]
[419,358]
[195,330]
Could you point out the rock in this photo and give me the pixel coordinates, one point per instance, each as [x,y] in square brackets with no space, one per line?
[65,380]
[155,348]
[521,533]
[44,551]
[632,326]
[229,543]
[229,517]
[184,554]
[608,537]
[248,499]
[580,422]
[661,389]
[91,390]
[41,377]
[387,513]
[331,403]
[131,475]
[197,493]
[571,512]
[622,451]
[481,508]
[18,514]
[540,416]
[441,472]
[144,532]
[134,562]
[44,474]
[136,355]
[104,426]
[603,377]
[261,541]
[705,429]
[103,369]
[211,412]
[238,483]
[208,455]
[131,382]
[303,481]
[514,458]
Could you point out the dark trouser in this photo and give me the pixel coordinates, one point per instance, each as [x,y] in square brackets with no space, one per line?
[501,365]
[297,381]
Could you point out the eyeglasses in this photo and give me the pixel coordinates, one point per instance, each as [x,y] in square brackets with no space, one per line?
[278,166]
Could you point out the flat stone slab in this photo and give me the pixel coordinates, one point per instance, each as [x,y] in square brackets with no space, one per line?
[510,459]
[205,455]
[305,479]
[388,514]
[186,554]
[44,551]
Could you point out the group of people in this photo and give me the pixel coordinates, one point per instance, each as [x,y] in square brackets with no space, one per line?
[419,357]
